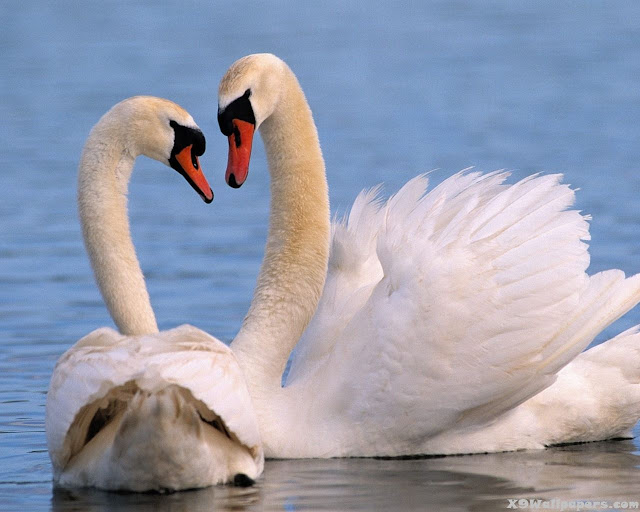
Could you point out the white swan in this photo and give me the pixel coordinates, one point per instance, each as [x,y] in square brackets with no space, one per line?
[451,322]
[144,410]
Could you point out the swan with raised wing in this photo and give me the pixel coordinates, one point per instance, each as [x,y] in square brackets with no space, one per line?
[139,409]
[440,322]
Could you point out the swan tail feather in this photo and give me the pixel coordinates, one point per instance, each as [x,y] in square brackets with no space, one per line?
[595,397]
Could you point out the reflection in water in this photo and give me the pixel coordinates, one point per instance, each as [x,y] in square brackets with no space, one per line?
[211,498]
[599,471]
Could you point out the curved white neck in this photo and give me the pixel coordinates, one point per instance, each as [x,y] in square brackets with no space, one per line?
[105,169]
[295,263]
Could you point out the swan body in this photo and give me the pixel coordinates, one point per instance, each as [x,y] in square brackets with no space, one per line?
[162,411]
[445,321]
[144,410]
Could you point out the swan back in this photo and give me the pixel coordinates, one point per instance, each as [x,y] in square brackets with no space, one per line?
[175,399]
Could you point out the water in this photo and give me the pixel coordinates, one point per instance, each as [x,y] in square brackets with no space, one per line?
[396,90]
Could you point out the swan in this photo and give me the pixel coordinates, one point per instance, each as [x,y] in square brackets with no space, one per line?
[142,410]
[447,322]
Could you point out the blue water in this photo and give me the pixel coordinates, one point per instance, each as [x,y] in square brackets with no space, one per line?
[396,90]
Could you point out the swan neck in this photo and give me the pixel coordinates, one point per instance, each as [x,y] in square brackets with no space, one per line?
[103,177]
[294,268]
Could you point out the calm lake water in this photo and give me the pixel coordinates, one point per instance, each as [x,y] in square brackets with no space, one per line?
[530,86]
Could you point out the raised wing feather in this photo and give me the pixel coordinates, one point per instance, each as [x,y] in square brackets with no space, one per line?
[473,297]
[354,269]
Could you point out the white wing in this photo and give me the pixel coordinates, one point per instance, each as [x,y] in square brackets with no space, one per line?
[455,306]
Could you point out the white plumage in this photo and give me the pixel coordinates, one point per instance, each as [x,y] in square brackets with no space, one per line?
[444,311]
[452,321]
[165,396]
[144,410]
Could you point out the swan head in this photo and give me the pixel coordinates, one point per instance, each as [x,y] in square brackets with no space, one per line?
[248,94]
[162,130]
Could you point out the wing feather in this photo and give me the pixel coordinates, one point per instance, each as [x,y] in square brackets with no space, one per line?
[458,304]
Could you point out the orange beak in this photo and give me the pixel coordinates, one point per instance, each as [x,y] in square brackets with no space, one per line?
[239,152]
[193,174]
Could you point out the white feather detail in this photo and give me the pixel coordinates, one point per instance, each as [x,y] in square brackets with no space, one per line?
[458,305]
[105,364]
